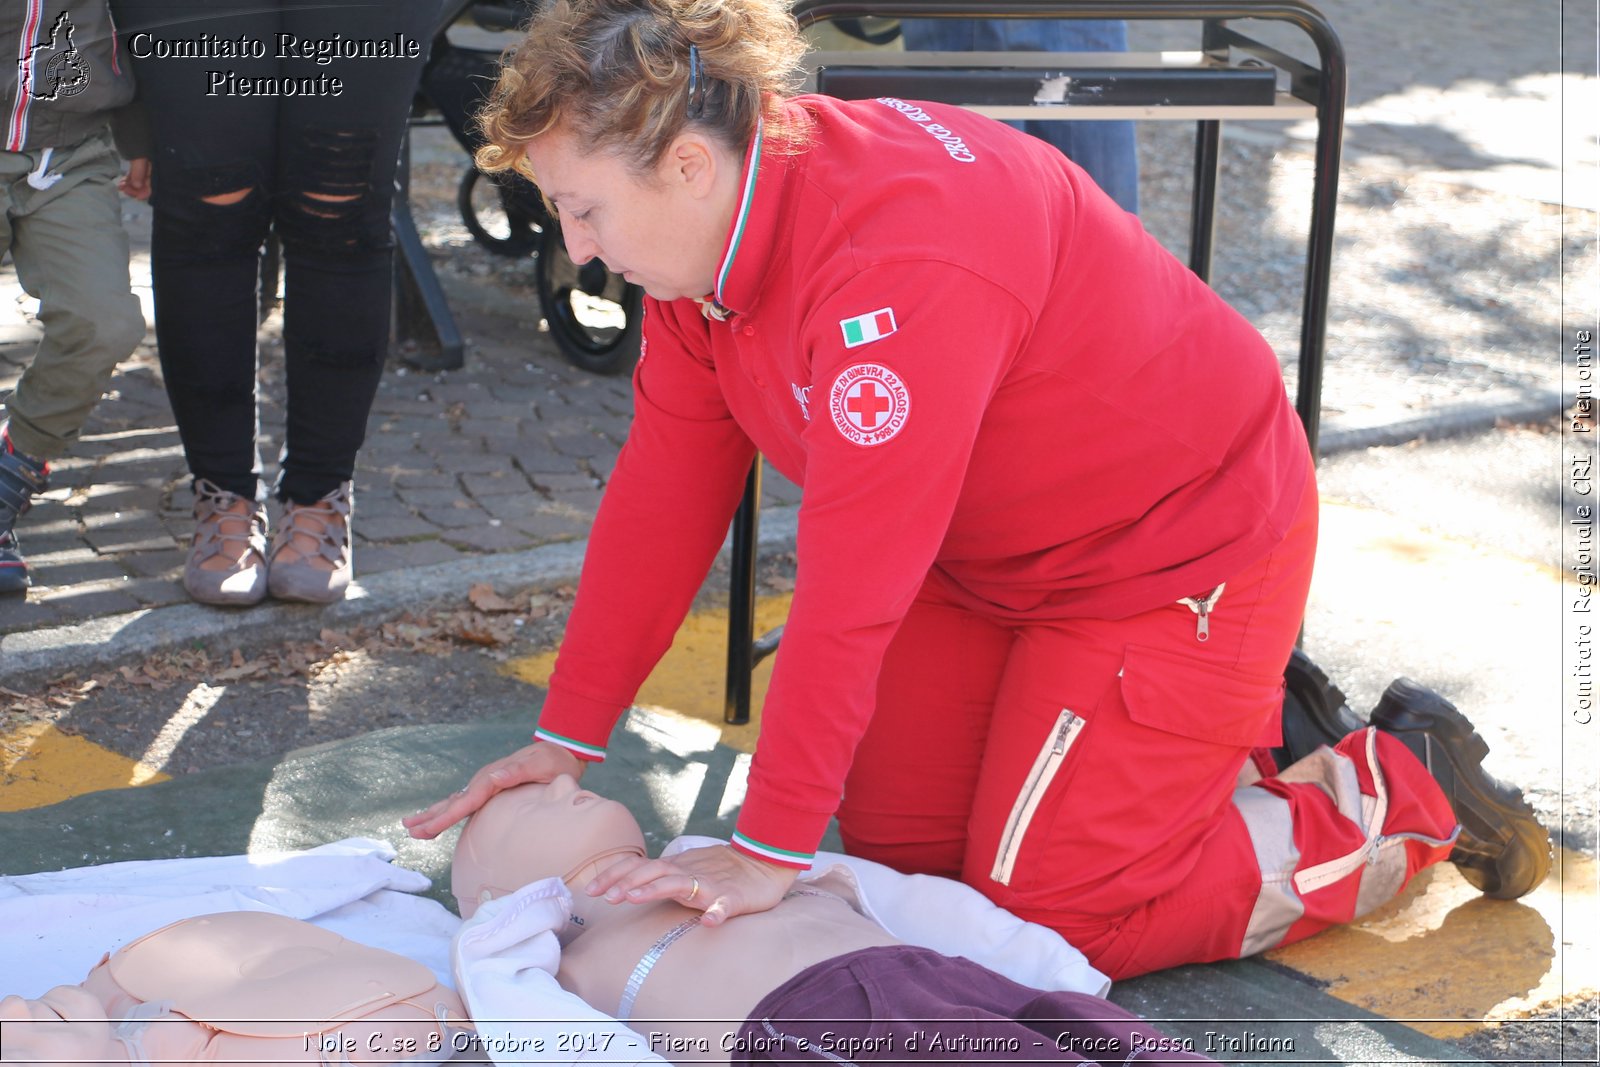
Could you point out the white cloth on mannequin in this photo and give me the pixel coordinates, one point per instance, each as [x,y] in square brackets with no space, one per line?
[506,958]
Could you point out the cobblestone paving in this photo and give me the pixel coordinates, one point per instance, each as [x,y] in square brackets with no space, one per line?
[1447,290]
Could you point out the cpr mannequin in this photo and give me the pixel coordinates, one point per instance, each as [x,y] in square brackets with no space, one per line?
[752,988]
[239,987]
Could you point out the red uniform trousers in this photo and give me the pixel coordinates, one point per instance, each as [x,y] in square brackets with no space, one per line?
[1086,774]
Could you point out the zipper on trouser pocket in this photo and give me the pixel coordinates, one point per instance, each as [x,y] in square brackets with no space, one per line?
[1043,772]
[1201,606]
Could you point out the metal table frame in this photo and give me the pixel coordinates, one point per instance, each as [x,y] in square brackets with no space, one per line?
[1316,91]
[425,332]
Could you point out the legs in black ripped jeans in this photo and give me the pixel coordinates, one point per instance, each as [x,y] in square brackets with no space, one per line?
[320,169]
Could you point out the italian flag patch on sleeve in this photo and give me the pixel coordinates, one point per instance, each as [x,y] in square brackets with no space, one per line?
[864,329]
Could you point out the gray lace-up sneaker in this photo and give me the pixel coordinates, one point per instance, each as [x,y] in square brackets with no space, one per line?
[21,478]
[228,525]
[316,531]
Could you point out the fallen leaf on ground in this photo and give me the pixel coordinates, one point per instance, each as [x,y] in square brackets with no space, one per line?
[484,598]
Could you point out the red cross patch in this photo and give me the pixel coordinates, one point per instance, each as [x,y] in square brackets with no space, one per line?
[869,403]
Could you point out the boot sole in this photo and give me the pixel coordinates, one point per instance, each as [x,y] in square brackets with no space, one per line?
[1525,851]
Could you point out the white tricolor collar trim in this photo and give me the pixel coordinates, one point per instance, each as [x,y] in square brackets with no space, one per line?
[742,217]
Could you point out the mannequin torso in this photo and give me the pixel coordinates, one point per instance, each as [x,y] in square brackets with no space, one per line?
[710,979]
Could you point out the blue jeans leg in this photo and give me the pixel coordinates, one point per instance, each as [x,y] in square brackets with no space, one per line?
[1105,149]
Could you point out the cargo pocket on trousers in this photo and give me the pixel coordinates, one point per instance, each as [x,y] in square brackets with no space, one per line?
[1192,698]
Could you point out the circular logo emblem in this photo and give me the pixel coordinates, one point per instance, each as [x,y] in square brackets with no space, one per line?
[870,404]
[65,75]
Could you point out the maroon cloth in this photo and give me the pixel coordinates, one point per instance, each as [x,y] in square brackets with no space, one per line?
[913,1005]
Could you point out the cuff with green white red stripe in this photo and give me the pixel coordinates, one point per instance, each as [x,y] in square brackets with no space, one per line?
[781,856]
[592,753]
[772,829]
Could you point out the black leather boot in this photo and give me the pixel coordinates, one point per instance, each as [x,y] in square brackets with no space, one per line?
[1314,712]
[1502,850]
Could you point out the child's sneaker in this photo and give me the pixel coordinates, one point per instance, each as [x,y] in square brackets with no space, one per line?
[21,478]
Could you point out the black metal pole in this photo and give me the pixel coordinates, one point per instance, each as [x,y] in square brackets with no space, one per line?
[1319,253]
[1203,211]
[420,304]
[742,602]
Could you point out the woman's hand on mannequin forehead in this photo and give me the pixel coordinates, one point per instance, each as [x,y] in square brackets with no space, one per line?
[538,762]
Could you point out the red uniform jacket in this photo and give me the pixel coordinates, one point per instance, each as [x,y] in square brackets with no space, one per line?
[981,372]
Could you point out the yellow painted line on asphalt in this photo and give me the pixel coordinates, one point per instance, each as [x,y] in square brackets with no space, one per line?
[1446,958]
[40,765]
[1380,573]
[689,679]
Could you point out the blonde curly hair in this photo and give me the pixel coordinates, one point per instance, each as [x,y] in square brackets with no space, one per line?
[616,73]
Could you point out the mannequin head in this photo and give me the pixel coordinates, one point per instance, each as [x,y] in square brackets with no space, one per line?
[542,830]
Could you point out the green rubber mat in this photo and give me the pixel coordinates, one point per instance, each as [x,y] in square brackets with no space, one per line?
[670,772]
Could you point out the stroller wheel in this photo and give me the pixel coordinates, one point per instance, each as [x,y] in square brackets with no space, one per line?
[594,315]
[498,217]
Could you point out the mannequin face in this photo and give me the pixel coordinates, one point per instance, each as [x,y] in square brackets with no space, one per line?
[542,830]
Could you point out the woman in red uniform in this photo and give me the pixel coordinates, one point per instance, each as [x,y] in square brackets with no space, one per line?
[1057,523]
